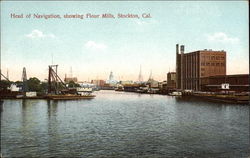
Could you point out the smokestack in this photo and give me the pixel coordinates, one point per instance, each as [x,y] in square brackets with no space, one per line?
[182,49]
[177,65]
[182,67]
[177,48]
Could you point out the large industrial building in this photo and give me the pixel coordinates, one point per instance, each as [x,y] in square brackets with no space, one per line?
[191,67]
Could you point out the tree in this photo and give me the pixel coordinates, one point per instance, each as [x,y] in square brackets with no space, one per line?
[34,84]
[4,84]
[73,84]
[44,86]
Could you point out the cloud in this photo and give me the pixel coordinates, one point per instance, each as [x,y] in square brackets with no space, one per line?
[139,22]
[95,46]
[146,22]
[221,37]
[39,34]
[239,67]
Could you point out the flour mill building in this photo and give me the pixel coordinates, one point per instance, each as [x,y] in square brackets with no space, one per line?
[193,66]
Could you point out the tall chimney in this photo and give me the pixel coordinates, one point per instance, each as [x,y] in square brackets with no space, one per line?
[177,48]
[182,49]
[177,67]
[182,68]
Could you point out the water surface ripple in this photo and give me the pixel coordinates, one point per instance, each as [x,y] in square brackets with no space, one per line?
[119,124]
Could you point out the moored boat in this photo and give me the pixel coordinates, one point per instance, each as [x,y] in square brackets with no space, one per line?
[69,97]
[175,94]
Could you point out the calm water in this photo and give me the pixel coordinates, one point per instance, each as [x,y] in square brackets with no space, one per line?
[118,124]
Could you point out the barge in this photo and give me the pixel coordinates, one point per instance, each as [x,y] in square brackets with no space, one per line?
[69,97]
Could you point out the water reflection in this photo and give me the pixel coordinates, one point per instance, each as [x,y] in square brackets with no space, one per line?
[1,105]
[53,134]
[52,108]
[27,115]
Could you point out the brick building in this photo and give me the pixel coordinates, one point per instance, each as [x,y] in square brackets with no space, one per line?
[68,79]
[171,80]
[238,83]
[99,83]
[191,67]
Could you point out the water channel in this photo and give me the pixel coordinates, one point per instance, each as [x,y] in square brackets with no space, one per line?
[122,124]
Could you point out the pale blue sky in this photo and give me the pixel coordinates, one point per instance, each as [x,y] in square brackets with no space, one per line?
[94,47]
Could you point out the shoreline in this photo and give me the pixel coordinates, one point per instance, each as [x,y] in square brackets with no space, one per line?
[225,98]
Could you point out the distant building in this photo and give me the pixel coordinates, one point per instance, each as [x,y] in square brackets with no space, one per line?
[99,83]
[163,87]
[126,82]
[153,83]
[191,67]
[111,81]
[111,76]
[68,79]
[14,88]
[86,84]
[171,80]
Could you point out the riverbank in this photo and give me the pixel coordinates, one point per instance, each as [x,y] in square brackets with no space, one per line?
[50,97]
[236,98]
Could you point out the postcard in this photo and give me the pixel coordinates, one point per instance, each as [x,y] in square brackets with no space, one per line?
[124,79]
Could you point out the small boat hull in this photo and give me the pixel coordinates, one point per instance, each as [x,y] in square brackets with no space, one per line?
[69,97]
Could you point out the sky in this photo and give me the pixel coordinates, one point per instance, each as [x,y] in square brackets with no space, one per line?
[93,47]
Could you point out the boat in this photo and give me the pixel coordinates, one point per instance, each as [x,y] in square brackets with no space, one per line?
[69,97]
[81,93]
[153,91]
[84,91]
[119,88]
[175,94]
[19,96]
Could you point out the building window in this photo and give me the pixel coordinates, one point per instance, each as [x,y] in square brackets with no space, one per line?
[212,64]
[222,58]
[207,64]
[212,58]
[202,64]
[222,64]
[202,69]
[217,64]
[217,57]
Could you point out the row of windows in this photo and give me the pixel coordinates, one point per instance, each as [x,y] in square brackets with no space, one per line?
[215,70]
[213,57]
[212,64]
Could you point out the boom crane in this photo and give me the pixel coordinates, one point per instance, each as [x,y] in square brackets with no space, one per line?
[53,80]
